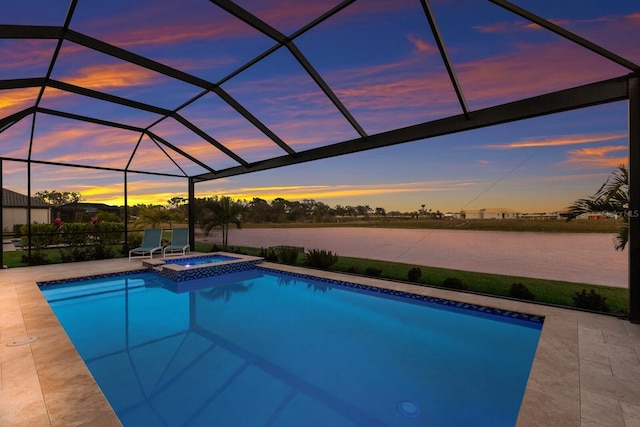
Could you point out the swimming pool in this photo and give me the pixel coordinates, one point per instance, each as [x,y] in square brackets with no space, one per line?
[260,347]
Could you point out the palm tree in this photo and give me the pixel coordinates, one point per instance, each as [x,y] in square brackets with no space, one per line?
[221,212]
[612,197]
[152,215]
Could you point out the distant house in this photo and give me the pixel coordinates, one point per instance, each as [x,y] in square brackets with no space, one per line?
[542,215]
[489,213]
[80,212]
[566,212]
[14,210]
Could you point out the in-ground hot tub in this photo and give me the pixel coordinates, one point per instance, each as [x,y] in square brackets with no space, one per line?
[197,267]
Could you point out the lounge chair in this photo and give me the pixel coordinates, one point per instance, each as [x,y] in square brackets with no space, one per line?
[151,242]
[179,242]
[17,244]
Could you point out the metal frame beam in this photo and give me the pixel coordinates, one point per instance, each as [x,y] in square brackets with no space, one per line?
[191,213]
[445,55]
[567,34]
[103,168]
[124,127]
[283,40]
[44,32]
[31,32]
[67,87]
[10,120]
[177,150]
[252,119]
[633,245]
[158,67]
[193,128]
[570,99]
[102,96]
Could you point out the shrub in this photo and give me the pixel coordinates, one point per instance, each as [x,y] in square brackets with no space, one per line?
[134,240]
[42,235]
[520,291]
[17,230]
[73,254]
[591,301]
[101,252]
[106,233]
[353,269]
[289,255]
[236,251]
[320,258]
[75,235]
[268,254]
[454,283]
[36,258]
[414,274]
[372,271]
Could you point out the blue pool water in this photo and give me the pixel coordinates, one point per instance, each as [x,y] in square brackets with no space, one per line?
[209,259]
[261,348]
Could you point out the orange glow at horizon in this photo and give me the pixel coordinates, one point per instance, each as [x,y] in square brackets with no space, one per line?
[320,192]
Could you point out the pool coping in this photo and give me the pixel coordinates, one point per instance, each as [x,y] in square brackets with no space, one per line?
[586,370]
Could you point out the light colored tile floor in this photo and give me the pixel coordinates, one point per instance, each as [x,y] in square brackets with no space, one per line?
[586,370]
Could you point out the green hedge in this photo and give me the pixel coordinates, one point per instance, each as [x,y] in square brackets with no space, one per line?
[77,241]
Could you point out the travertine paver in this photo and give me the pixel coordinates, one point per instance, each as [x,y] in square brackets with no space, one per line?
[602,410]
[586,370]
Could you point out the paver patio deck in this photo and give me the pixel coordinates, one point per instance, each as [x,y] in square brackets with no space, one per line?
[586,370]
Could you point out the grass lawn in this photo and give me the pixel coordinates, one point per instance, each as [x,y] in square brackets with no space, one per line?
[554,292]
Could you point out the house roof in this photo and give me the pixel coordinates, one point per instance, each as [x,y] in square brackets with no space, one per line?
[12,199]
[86,206]
[489,211]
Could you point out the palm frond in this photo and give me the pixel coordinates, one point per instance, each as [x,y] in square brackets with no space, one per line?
[613,198]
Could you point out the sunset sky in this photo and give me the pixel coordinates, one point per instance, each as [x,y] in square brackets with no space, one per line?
[379,58]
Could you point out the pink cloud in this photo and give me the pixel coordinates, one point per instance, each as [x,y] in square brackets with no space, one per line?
[422,45]
[559,141]
[109,76]
[599,157]
[283,14]
[21,53]
[503,27]
[170,25]
[532,69]
[14,100]
[84,143]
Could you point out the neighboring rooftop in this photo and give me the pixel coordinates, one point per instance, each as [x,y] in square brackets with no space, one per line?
[11,199]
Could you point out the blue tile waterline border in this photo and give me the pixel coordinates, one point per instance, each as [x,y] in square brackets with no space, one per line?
[90,277]
[480,309]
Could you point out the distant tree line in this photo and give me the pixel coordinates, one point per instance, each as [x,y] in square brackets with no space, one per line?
[256,210]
